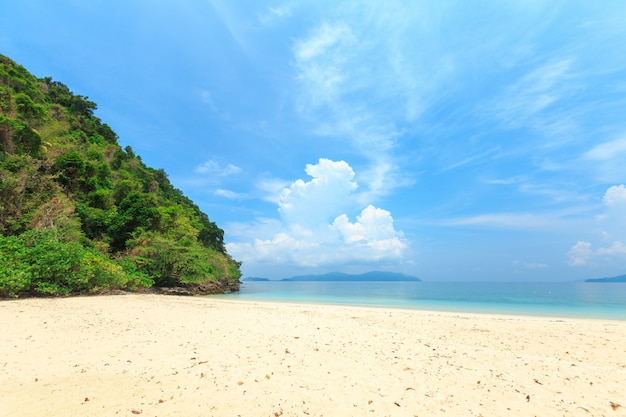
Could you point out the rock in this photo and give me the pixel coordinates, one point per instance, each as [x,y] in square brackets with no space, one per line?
[204,288]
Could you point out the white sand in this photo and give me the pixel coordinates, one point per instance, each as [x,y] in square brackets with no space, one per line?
[174,356]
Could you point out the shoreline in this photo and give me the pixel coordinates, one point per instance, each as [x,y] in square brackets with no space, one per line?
[443,311]
[541,299]
[194,356]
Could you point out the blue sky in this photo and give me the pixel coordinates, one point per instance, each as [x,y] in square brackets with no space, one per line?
[452,140]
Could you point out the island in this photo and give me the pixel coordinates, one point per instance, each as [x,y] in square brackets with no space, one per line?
[619,278]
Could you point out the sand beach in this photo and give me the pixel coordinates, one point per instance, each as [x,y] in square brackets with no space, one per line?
[154,355]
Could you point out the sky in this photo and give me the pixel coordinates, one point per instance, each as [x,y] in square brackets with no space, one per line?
[452,140]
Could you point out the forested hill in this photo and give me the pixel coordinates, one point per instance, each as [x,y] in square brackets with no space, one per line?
[79,214]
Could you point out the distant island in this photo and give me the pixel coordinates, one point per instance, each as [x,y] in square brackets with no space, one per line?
[619,278]
[340,276]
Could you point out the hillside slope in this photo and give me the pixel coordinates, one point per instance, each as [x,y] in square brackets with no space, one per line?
[79,214]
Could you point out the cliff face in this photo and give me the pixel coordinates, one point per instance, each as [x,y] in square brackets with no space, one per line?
[80,214]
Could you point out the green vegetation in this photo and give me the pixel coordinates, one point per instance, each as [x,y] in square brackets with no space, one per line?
[79,214]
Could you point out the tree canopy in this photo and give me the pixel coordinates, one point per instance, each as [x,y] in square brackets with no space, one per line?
[79,214]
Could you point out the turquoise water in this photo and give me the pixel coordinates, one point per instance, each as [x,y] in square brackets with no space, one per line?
[585,300]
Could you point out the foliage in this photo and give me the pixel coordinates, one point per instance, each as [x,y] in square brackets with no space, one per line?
[80,214]
[38,262]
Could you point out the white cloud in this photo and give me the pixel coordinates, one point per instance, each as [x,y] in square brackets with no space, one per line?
[373,229]
[260,228]
[213,167]
[315,202]
[610,246]
[322,40]
[472,158]
[613,220]
[607,160]
[270,188]
[506,181]
[525,103]
[580,253]
[530,265]
[275,14]
[617,248]
[504,220]
[320,61]
[608,150]
[314,229]
[615,197]
[350,86]
[232,195]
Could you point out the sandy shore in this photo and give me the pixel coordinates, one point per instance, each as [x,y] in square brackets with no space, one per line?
[173,356]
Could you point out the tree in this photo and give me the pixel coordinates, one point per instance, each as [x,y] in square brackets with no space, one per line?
[71,169]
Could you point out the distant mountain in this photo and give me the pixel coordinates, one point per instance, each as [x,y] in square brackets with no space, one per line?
[368,276]
[255,279]
[619,278]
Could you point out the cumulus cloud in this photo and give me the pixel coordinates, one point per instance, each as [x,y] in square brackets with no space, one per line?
[617,248]
[314,229]
[373,229]
[611,245]
[615,198]
[314,202]
[580,253]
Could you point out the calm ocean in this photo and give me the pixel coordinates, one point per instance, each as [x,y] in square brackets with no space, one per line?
[586,300]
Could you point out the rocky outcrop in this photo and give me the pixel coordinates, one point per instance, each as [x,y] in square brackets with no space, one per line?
[205,288]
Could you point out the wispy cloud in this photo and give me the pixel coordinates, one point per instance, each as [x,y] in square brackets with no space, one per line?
[526,102]
[335,68]
[471,158]
[554,193]
[504,221]
[615,149]
[274,14]
[529,265]
[213,167]
[231,195]
[321,63]
[506,181]
[606,160]
[269,188]
[233,24]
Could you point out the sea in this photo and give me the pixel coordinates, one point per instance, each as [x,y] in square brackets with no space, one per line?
[563,299]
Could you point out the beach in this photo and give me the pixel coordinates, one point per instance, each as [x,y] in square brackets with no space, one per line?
[155,355]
